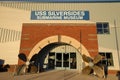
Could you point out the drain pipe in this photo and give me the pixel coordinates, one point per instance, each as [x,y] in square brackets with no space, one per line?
[117,46]
[82,63]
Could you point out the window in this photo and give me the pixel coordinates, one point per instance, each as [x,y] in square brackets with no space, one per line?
[102,28]
[73,60]
[108,58]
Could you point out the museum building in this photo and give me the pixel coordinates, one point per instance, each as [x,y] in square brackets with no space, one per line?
[60,33]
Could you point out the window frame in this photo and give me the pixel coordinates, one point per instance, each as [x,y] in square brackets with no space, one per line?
[110,61]
[103,27]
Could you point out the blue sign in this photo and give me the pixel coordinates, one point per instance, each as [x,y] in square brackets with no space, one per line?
[59,15]
[65,0]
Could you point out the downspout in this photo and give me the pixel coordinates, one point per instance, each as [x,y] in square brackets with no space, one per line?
[117,46]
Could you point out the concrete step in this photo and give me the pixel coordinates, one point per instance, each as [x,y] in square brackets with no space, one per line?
[54,75]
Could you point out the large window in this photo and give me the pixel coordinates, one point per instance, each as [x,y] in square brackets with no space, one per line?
[108,58]
[102,28]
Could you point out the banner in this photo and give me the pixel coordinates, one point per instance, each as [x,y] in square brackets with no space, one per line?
[59,15]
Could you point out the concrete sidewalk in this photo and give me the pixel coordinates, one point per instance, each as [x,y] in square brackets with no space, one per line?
[55,75]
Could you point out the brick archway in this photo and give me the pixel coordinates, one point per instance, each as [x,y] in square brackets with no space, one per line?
[82,36]
[58,38]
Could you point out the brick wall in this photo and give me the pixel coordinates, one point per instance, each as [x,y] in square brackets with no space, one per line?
[32,33]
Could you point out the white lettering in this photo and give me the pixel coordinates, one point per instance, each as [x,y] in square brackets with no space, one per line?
[59,15]
[49,17]
[55,13]
[40,13]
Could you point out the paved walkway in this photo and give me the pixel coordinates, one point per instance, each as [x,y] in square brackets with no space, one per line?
[55,75]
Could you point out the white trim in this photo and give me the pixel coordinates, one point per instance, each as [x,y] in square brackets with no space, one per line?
[41,44]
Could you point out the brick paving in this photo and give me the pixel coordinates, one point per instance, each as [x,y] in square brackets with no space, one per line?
[54,75]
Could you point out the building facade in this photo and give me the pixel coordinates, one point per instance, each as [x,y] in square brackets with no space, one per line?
[60,40]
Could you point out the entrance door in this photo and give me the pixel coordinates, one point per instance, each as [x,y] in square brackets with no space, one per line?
[58,60]
[62,60]
[66,60]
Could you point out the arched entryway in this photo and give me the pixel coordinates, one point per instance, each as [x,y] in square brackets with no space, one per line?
[59,52]
[63,56]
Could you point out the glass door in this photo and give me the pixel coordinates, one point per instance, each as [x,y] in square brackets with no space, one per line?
[66,60]
[59,60]
[62,60]
[51,61]
[73,61]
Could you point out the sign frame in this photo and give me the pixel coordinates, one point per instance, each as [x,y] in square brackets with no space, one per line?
[60,15]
